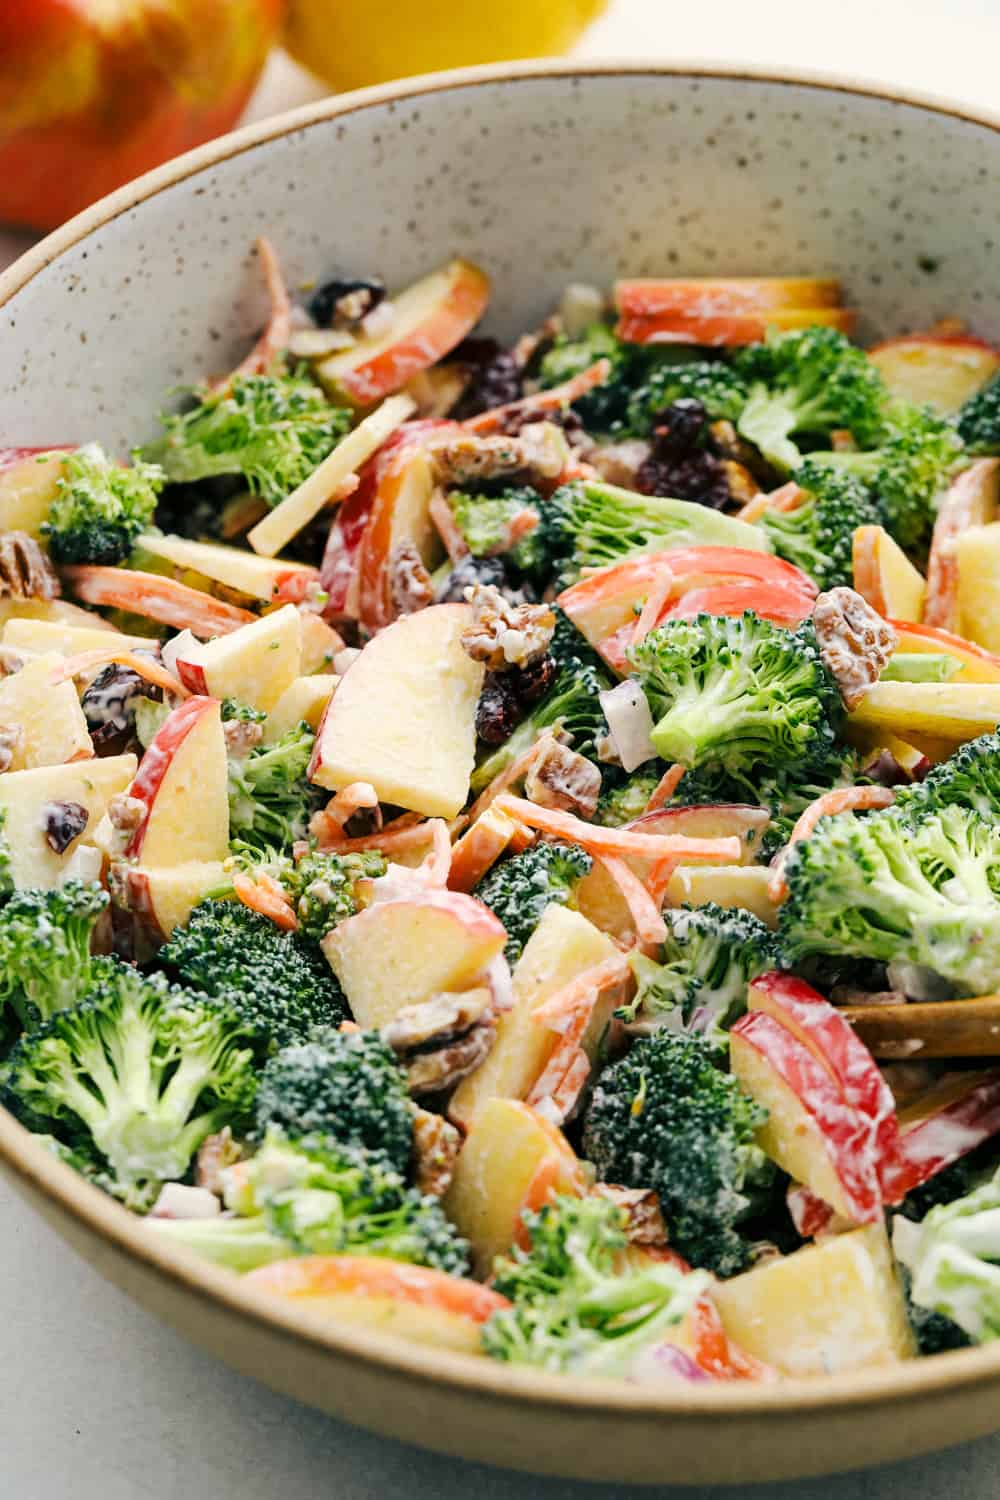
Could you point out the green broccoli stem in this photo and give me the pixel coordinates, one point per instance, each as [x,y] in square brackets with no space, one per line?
[238,1244]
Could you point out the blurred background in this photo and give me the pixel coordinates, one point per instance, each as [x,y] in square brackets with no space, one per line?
[92,95]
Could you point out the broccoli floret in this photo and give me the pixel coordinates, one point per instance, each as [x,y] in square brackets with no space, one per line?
[664,1117]
[587,524]
[100,507]
[571,702]
[316,1196]
[720,389]
[968,778]
[896,889]
[270,800]
[571,356]
[573,1308]
[807,384]
[140,1069]
[738,694]
[323,888]
[979,419]
[281,982]
[347,1084]
[272,429]
[953,1258]
[818,535]
[519,889]
[45,962]
[484,521]
[709,956]
[908,471]
[624,801]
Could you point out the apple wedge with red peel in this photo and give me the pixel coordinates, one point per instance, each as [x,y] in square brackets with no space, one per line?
[400,514]
[649,297]
[234,567]
[24,797]
[728,329]
[29,482]
[404,716]
[950,1120]
[931,370]
[831,1039]
[811,1132]
[162,899]
[428,320]
[254,664]
[181,782]
[399,953]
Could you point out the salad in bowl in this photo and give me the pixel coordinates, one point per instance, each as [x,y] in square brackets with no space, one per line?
[502,844]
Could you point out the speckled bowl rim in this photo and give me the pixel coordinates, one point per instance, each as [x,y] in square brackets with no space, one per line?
[44,1174]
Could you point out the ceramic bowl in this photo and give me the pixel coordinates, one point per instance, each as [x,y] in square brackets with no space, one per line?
[542,173]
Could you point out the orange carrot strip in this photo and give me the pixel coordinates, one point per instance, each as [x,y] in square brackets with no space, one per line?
[650,614]
[143,666]
[279,325]
[622,841]
[348,800]
[843,799]
[157,598]
[650,927]
[516,771]
[260,895]
[665,788]
[659,878]
[787,497]
[959,510]
[559,1011]
[561,1081]
[542,401]
[400,838]
[447,527]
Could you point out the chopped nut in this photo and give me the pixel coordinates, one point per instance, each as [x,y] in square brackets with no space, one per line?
[560,778]
[124,813]
[546,451]
[436,1144]
[441,1018]
[25,571]
[504,635]
[215,1153]
[430,1072]
[410,586]
[11,739]
[854,642]
[241,735]
[540,451]
[619,463]
[644,1224]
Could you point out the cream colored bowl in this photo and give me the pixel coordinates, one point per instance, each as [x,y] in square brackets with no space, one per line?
[543,174]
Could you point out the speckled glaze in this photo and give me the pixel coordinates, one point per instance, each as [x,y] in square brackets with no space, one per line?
[542,173]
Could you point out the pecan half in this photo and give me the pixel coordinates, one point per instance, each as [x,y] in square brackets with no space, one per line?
[410,586]
[242,735]
[539,451]
[436,1144]
[854,642]
[439,1019]
[430,1072]
[560,778]
[25,571]
[505,635]
[644,1221]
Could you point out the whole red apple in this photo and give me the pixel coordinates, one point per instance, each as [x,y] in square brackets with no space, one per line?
[94,92]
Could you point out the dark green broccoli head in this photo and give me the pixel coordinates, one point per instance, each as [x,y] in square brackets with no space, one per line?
[485,522]
[140,1071]
[666,1118]
[720,388]
[270,799]
[575,1308]
[807,384]
[572,703]
[323,888]
[282,983]
[100,507]
[519,889]
[45,961]
[347,1084]
[709,956]
[622,802]
[968,778]
[818,535]
[272,429]
[979,419]
[738,694]
[896,889]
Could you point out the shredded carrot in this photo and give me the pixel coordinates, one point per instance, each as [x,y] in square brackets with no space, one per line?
[438,862]
[561,1010]
[157,598]
[266,896]
[561,1081]
[516,771]
[279,325]
[659,878]
[295,586]
[649,616]
[143,666]
[447,527]
[786,497]
[410,837]
[959,510]
[843,799]
[342,807]
[665,788]
[553,399]
[650,928]
[621,841]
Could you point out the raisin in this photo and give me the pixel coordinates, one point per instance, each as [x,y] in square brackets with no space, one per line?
[345,301]
[533,681]
[680,427]
[62,822]
[679,463]
[499,710]
[109,702]
[497,379]
[467,573]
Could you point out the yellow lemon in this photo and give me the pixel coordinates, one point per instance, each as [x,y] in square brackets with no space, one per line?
[350,45]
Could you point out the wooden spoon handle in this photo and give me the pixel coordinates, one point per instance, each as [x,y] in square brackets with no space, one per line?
[947,1028]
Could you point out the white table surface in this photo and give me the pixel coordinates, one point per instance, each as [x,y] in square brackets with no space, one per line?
[97,1401]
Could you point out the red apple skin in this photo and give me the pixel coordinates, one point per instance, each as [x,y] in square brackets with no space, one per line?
[156,762]
[89,100]
[933,1143]
[192,675]
[830,1038]
[709,820]
[846,1135]
[12,458]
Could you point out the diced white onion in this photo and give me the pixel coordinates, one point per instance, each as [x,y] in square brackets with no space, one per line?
[178,1201]
[630,723]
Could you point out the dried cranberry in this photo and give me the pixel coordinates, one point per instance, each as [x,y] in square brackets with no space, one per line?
[680,427]
[499,710]
[346,300]
[497,379]
[533,681]
[467,573]
[109,702]
[680,464]
[62,822]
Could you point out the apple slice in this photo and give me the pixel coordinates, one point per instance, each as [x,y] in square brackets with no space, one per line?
[181,782]
[303,701]
[29,482]
[728,329]
[46,636]
[303,504]
[952,711]
[827,1308]
[976,664]
[404,716]
[163,898]
[954,1117]
[400,513]
[254,664]
[513,1159]
[48,718]
[235,568]
[563,945]
[53,612]
[811,1131]
[25,797]
[977,553]
[710,296]
[743,886]
[320,644]
[884,575]
[399,953]
[429,319]
[831,1039]
[931,370]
